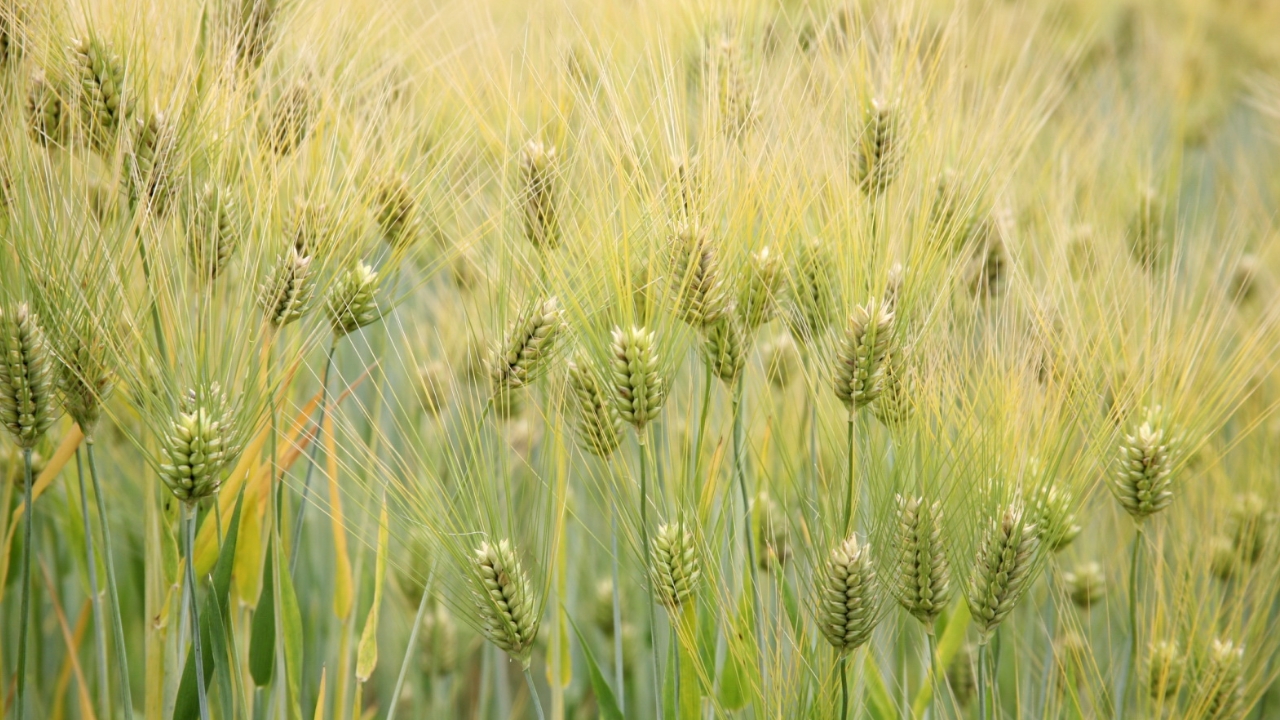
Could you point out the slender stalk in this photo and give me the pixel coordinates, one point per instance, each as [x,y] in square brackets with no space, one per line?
[1135,557]
[311,457]
[675,686]
[982,680]
[842,670]
[117,622]
[814,473]
[189,540]
[533,694]
[24,613]
[644,541]
[848,496]
[413,643]
[708,380]
[931,669]
[618,670]
[739,472]
[99,627]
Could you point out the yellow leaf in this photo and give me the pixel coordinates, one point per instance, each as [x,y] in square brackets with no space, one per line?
[320,696]
[246,567]
[367,652]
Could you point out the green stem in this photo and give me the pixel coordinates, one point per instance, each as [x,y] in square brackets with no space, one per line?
[675,686]
[24,613]
[413,643]
[618,671]
[931,669]
[644,541]
[1135,557]
[117,622]
[707,381]
[189,540]
[533,694]
[848,491]
[311,457]
[740,474]
[982,681]
[842,669]
[100,628]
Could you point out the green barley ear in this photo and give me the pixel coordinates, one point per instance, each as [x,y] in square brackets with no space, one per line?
[1165,667]
[960,675]
[104,101]
[12,37]
[987,271]
[26,377]
[759,288]
[879,150]
[538,195]
[602,607]
[505,601]
[508,403]
[352,302]
[1146,232]
[287,292]
[47,113]
[530,341]
[894,406]
[599,427]
[1086,585]
[781,360]
[696,279]
[638,386]
[859,372]
[150,164]
[292,117]
[84,380]
[773,532]
[1002,567]
[214,229]
[724,345]
[396,210]
[811,288]
[848,606]
[1051,511]
[1248,280]
[1250,522]
[1224,561]
[1223,679]
[953,220]
[733,92]
[201,441]
[433,386]
[1143,482]
[440,635]
[924,574]
[255,30]
[675,566]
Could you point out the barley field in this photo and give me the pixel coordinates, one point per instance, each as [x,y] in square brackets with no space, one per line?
[674,359]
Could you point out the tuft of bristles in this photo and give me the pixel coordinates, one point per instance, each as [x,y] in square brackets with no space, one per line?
[924,573]
[26,377]
[599,427]
[531,340]
[538,195]
[847,605]
[638,386]
[860,357]
[675,565]
[1143,482]
[1002,568]
[504,600]
[200,442]
[433,386]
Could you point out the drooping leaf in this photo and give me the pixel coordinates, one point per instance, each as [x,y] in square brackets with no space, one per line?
[262,640]
[605,699]
[367,651]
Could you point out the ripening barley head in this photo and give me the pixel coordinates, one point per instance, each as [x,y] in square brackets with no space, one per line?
[1146,232]
[848,603]
[773,532]
[1222,680]
[987,269]
[638,386]
[352,302]
[1002,568]
[924,573]
[203,438]
[292,117]
[781,360]
[1165,667]
[599,427]
[48,113]
[860,357]
[433,384]
[214,231]
[1143,482]
[759,288]
[1250,520]
[734,97]
[286,293]
[539,195]
[505,600]
[530,342]
[104,99]
[253,27]
[895,404]
[151,163]
[676,570]
[26,376]
[724,345]
[1051,509]
[396,211]
[879,147]
[84,379]
[1224,561]
[811,291]
[12,40]
[696,278]
[1086,584]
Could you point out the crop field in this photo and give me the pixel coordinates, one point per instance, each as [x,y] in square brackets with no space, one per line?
[674,359]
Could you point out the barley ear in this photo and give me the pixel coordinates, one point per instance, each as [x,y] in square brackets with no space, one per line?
[895,404]
[150,164]
[287,292]
[504,600]
[352,302]
[104,101]
[1143,481]
[292,117]
[47,113]
[26,377]
[1051,511]
[760,288]
[538,195]
[675,566]
[1002,568]
[84,380]
[1165,667]
[396,210]
[638,386]
[1086,585]
[811,289]
[200,442]
[599,427]
[879,150]
[531,340]
[214,231]
[1223,680]
[924,573]
[724,345]
[847,603]
[860,358]
[695,276]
